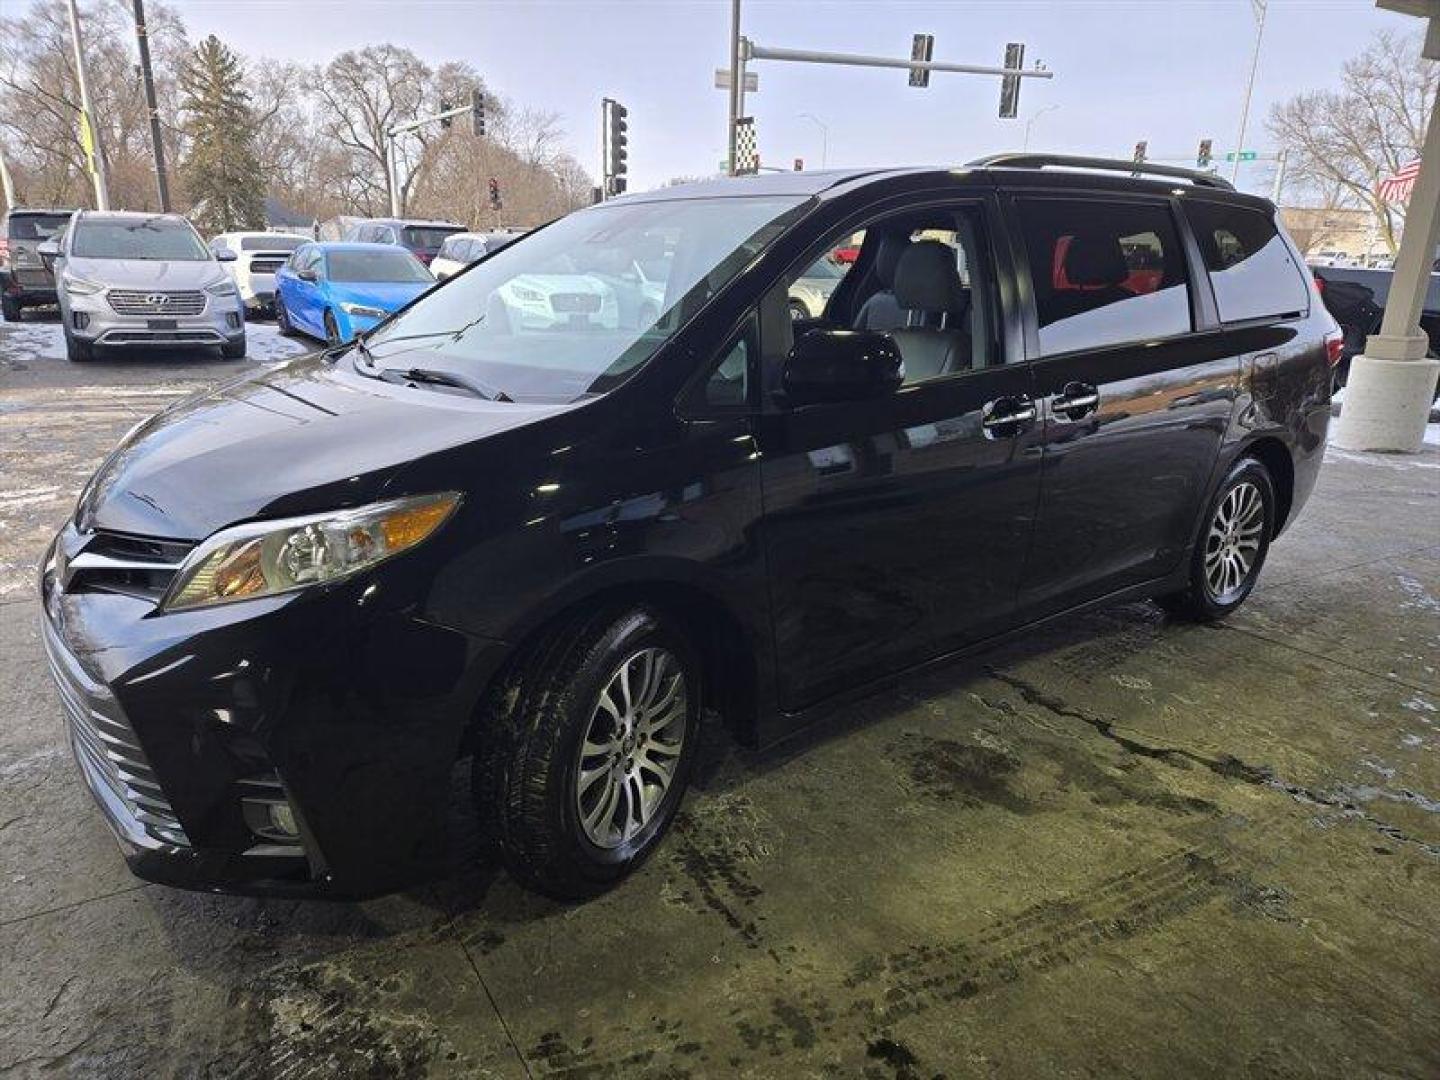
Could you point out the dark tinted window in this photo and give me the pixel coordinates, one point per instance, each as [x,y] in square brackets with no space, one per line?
[271,243]
[1104,273]
[1250,266]
[728,384]
[37,226]
[425,237]
[377,265]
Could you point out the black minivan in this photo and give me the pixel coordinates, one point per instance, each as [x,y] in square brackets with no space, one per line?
[519,524]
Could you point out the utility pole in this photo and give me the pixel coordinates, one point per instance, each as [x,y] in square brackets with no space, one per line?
[1257,8]
[89,134]
[1280,162]
[7,186]
[476,109]
[142,38]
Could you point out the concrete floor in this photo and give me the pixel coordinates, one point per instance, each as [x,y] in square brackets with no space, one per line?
[1122,847]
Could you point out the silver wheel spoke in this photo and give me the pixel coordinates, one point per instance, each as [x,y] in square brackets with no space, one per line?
[631,751]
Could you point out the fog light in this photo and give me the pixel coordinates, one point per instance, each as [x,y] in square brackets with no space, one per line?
[282,819]
[232,320]
[80,319]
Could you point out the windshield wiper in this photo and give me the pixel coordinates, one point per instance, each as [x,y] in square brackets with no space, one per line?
[446,378]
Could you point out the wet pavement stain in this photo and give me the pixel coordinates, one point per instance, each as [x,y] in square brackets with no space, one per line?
[956,772]
[711,851]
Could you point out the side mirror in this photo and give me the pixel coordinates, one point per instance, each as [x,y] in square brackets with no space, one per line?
[225,255]
[841,365]
[307,275]
[48,251]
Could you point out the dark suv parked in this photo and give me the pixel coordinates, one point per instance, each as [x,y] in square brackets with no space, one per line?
[514,525]
[25,280]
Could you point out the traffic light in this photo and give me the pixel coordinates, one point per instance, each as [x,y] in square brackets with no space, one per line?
[495,201]
[1140,148]
[1202,159]
[617,144]
[1010,84]
[477,114]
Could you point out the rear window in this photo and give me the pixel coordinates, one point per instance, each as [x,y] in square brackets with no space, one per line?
[1250,265]
[271,243]
[376,265]
[1104,273]
[37,226]
[154,238]
[425,237]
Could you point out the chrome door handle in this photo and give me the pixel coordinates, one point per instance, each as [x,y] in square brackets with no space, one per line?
[1022,413]
[1076,397]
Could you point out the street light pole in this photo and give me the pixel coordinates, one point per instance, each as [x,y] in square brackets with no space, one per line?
[737,78]
[142,37]
[90,134]
[1031,122]
[1258,8]
[824,136]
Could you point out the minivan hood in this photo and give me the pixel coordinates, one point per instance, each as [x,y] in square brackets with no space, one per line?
[304,438]
[146,273]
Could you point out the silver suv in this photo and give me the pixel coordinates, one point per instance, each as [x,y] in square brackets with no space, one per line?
[143,279]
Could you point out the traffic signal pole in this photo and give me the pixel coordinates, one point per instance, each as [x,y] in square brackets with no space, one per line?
[147,76]
[392,162]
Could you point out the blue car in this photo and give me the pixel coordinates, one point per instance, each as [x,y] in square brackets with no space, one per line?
[334,291]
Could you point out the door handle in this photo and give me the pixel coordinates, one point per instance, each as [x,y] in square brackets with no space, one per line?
[1004,413]
[1076,398]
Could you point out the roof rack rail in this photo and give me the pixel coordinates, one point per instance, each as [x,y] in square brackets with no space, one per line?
[1040,161]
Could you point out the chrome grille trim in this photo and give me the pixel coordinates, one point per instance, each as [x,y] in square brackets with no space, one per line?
[108,752]
[140,302]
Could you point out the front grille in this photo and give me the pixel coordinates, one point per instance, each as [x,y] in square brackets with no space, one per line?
[136,302]
[133,565]
[108,752]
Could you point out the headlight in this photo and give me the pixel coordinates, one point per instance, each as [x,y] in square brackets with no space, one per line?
[528,296]
[79,286]
[269,557]
[221,288]
[363,311]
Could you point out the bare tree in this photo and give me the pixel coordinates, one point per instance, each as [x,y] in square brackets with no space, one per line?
[1342,143]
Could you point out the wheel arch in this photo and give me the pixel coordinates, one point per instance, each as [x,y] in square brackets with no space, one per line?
[1275,456]
[731,653]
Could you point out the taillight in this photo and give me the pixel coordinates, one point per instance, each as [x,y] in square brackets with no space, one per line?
[1334,347]
[1319,283]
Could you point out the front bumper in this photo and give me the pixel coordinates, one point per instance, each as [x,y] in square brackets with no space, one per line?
[92,318]
[349,710]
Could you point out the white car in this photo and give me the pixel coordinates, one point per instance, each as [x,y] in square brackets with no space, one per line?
[546,301]
[461,249]
[257,256]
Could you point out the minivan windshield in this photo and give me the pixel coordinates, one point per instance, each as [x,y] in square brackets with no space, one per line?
[158,238]
[561,314]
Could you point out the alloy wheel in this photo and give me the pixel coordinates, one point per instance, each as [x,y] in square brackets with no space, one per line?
[631,748]
[1233,542]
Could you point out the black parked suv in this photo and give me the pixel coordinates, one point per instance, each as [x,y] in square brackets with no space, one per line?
[25,280]
[512,526]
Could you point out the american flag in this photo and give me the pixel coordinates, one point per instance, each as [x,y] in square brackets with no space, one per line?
[1397,188]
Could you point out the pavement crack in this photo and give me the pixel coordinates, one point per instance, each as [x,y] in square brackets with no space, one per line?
[1346,802]
[55,998]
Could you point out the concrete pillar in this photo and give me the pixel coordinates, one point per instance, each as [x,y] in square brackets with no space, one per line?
[1388,395]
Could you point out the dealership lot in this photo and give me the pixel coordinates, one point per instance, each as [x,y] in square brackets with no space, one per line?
[1120,845]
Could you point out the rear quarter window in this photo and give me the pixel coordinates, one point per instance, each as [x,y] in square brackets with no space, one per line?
[1251,268]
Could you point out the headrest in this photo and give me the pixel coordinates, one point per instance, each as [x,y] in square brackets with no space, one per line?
[926,279]
[1095,259]
[892,246]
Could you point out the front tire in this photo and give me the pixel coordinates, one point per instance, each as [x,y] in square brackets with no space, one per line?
[282,318]
[1234,540]
[332,330]
[233,350]
[586,750]
[78,351]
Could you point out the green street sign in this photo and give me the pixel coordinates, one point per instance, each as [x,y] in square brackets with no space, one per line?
[1245,155]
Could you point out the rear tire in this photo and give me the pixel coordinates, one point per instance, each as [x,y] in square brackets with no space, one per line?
[77,351]
[10,309]
[586,748]
[1230,551]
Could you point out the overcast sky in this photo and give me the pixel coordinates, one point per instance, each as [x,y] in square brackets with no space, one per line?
[1169,71]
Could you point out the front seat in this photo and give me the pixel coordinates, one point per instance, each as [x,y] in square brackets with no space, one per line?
[881,311]
[928,288]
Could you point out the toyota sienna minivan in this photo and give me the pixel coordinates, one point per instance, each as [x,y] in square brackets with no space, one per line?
[284,611]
